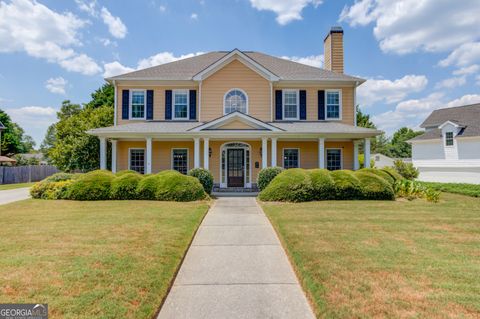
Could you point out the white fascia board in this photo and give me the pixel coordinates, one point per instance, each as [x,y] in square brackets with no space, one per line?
[232,117]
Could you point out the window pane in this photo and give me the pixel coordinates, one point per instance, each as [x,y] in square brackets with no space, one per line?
[138,104]
[449,138]
[235,100]
[290,106]
[334,160]
[137,160]
[333,105]
[290,158]
[180,105]
[180,160]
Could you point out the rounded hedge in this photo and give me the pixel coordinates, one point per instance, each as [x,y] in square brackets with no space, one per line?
[323,186]
[374,187]
[94,185]
[125,186]
[204,177]
[393,173]
[347,186]
[127,171]
[266,175]
[58,177]
[380,174]
[173,186]
[292,185]
[147,187]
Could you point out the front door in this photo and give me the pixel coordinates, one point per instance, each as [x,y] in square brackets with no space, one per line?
[235,167]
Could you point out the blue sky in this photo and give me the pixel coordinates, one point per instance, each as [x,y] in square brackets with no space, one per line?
[417,55]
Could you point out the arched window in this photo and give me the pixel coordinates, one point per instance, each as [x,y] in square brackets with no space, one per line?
[235,100]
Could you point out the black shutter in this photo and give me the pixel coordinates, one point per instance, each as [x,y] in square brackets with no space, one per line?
[149,104]
[193,104]
[168,104]
[278,105]
[321,105]
[125,102]
[303,104]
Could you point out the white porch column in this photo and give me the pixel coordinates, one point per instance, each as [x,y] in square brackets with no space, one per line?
[206,154]
[321,152]
[366,152]
[103,153]
[264,153]
[274,151]
[114,156]
[356,163]
[196,152]
[149,155]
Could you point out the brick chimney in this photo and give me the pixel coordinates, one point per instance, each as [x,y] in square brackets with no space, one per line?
[333,50]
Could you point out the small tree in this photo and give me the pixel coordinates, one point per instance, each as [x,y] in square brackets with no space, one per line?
[407,170]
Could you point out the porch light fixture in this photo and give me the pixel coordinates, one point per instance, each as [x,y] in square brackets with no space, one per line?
[209,152]
[261,152]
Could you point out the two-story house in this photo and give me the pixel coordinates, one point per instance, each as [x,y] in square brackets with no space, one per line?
[235,113]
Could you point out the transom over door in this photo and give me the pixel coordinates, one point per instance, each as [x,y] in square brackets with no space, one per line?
[235,167]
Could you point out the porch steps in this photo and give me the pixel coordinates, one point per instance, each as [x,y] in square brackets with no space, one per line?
[217,189]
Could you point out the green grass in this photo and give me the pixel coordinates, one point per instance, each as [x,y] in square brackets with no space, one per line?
[4,187]
[107,259]
[384,259]
[455,188]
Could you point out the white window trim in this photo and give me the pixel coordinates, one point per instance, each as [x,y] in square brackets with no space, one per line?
[144,104]
[144,157]
[290,148]
[341,156]
[298,105]
[339,118]
[181,149]
[445,139]
[175,92]
[225,95]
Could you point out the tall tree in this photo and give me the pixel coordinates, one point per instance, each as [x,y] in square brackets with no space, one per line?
[399,146]
[363,119]
[103,96]
[14,140]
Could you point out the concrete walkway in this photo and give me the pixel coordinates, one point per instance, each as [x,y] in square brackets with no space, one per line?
[236,268]
[13,195]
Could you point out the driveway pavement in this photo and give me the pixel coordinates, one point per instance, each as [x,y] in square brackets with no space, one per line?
[236,268]
[13,195]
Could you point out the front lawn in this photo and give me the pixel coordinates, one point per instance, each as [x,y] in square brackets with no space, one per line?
[108,259]
[455,188]
[385,259]
[4,187]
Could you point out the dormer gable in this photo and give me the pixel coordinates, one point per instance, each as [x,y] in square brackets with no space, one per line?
[236,121]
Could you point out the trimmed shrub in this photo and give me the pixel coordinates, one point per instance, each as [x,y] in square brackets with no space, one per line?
[57,190]
[127,171]
[58,177]
[173,186]
[322,184]
[94,185]
[374,187]
[147,187]
[52,187]
[266,175]
[292,185]
[407,170]
[204,177]
[347,186]
[379,173]
[125,186]
[393,173]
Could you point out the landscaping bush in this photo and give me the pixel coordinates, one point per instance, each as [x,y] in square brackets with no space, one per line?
[374,186]
[407,170]
[173,186]
[323,187]
[266,175]
[393,173]
[57,190]
[58,177]
[412,190]
[147,187]
[125,186]
[379,173]
[94,185]
[127,171]
[48,187]
[347,186]
[472,190]
[292,185]
[204,177]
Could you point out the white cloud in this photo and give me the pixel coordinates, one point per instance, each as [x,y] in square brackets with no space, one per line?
[467,70]
[28,26]
[451,83]
[286,10]
[404,26]
[88,7]
[115,24]
[81,63]
[162,8]
[313,60]
[34,119]
[194,16]
[390,91]
[465,100]
[107,42]
[464,55]
[115,68]
[56,85]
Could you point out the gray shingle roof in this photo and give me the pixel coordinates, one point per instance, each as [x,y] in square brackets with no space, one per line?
[322,127]
[185,69]
[148,127]
[468,117]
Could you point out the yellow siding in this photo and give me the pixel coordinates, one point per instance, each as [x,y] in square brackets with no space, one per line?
[235,75]
[236,125]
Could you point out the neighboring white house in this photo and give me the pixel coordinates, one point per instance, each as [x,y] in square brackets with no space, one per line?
[449,150]
[382,161]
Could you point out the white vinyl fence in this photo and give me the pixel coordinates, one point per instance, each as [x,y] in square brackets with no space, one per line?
[25,174]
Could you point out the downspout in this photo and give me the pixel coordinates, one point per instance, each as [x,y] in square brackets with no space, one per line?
[114,103]
[271,101]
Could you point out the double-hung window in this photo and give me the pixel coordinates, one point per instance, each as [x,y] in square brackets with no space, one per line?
[334,159]
[290,104]
[333,106]
[136,161]
[449,139]
[180,160]
[180,104]
[137,105]
[290,158]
